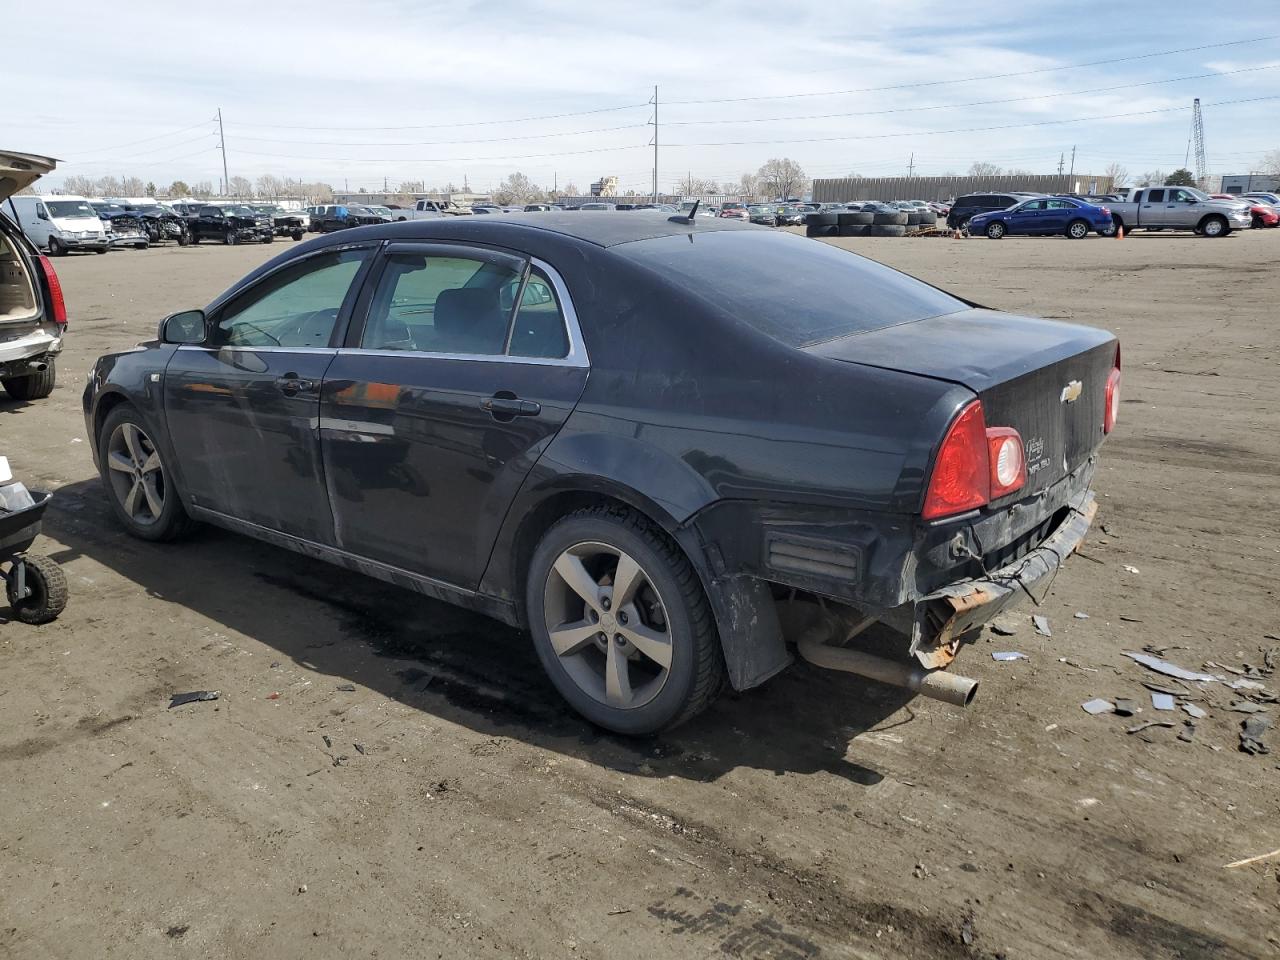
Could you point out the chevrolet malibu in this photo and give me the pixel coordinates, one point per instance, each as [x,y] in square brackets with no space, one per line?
[678,451]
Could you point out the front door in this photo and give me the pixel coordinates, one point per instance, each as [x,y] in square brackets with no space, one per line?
[440,404]
[1028,218]
[243,408]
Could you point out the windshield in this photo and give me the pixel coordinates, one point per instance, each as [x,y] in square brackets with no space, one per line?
[799,292]
[238,212]
[1198,194]
[759,211]
[108,207]
[70,208]
[384,211]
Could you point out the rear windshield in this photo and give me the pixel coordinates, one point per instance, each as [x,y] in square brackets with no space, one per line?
[797,291]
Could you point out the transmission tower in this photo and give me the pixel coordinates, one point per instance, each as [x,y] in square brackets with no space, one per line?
[1197,136]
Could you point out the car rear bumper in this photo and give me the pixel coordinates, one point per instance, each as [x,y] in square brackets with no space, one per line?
[37,345]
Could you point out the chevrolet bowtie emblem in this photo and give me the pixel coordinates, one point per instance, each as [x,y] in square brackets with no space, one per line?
[1071,392]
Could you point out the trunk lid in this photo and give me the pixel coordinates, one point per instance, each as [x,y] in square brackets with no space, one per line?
[18,170]
[1044,378]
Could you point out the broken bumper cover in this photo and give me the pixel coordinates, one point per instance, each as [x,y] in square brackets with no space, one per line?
[947,614]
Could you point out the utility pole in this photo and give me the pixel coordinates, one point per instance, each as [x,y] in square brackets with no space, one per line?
[911,166]
[222,140]
[1062,162]
[1072,174]
[655,143]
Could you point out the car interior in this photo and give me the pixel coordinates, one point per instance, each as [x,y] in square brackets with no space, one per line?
[17,294]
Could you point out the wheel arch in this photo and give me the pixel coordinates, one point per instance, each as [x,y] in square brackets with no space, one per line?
[1226,224]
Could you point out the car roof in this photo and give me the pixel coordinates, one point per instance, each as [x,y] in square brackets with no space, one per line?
[606,230]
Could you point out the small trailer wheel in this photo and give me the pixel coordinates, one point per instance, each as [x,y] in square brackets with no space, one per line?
[44,584]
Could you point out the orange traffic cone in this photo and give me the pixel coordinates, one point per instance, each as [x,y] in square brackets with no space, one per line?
[1120,231]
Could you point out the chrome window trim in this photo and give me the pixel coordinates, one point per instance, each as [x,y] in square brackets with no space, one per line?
[577,356]
[240,348]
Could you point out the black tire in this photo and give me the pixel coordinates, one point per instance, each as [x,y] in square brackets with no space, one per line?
[100,250]
[821,230]
[230,238]
[1256,222]
[697,671]
[269,238]
[855,230]
[822,220]
[996,230]
[1077,230]
[173,522]
[888,230]
[297,235]
[857,219]
[889,219]
[57,248]
[183,239]
[913,218]
[141,246]
[1214,226]
[47,586]
[33,386]
[195,238]
[928,219]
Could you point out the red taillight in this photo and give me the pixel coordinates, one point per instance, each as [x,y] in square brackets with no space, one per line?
[1112,410]
[961,475]
[57,305]
[1008,464]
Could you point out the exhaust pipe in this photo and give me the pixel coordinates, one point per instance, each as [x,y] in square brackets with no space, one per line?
[938,684]
[39,366]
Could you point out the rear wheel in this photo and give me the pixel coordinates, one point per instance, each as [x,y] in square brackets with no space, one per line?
[230,238]
[620,622]
[1077,229]
[138,482]
[995,231]
[34,386]
[297,235]
[45,587]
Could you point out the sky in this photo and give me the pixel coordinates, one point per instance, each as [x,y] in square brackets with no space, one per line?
[350,93]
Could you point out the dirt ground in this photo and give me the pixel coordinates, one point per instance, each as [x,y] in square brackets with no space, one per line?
[450,806]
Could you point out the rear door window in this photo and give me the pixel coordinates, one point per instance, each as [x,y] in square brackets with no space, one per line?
[1155,196]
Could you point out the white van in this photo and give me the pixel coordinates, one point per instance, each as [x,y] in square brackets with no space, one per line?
[61,223]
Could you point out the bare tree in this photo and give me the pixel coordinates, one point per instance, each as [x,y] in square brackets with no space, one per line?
[748,185]
[269,186]
[1271,163]
[80,186]
[179,189]
[132,187]
[981,168]
[203,188]
[1118,174]
[570,190]
[691,186]
[1152,177]
[784,177]
[239,187]
[518,189]
[411,186]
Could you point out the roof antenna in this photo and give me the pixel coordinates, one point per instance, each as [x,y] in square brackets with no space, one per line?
[687,218]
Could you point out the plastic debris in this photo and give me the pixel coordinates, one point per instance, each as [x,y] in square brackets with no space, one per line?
[1161,701]
[1042,624]
[1191,710]
[1138,728]
[1009,655]
[1098,706]
[1125,707]
[274,695]
[1249,860]
[1165,667]
[1251,731]
[1081,615]
[327,742]
[1130,568]
[196,696]
[347,687]
[359,748]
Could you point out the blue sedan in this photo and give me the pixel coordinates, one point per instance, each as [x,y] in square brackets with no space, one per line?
[1045,217]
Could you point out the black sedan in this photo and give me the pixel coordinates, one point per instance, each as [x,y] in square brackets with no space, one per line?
[670,448]
[764,216]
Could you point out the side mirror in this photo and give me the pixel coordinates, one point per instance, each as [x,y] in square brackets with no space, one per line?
[185,327]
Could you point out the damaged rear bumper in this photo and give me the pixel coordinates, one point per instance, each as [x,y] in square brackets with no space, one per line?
[946,615]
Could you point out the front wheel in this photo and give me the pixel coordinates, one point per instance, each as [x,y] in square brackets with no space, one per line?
[45,588]
[57,248]
[1077,230]
[297,235]
[621,624]
[995,231]
[137,480]
[231,238]
[1214,227]
[269,238]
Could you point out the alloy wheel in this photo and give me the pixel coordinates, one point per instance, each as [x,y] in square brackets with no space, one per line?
[608,625]
[136,474]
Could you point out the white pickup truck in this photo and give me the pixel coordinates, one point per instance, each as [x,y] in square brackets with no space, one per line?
[1179,208]
[430,210]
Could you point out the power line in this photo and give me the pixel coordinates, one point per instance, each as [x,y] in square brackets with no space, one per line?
[527,156]
[159,136]
[989,76]
[437,126]
[128,158]
[931,133]
[439,143]
[977,103]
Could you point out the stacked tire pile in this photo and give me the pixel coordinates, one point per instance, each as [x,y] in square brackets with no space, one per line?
[897,224]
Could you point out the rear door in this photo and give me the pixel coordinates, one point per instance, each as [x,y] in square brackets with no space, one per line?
[1055,216]
[466,365]
[243,408]
[1151,212]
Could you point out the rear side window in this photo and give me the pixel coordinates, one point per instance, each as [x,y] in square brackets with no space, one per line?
[794,290]
[1155,196]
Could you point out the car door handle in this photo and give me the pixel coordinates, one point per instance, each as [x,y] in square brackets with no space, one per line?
[510,407]
[291,384]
